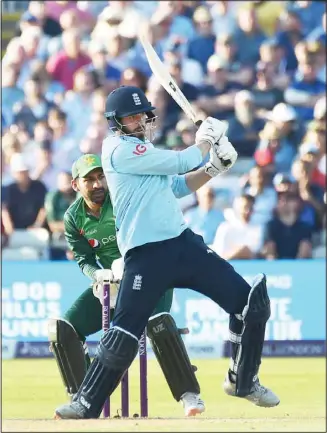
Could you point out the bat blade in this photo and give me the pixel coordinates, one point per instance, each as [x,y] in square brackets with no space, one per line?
[165,79]
[168,83]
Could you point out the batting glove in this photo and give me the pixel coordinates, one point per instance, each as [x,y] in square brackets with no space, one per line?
[211,130]
[221,151]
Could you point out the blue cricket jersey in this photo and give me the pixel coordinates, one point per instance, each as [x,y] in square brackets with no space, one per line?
[144,183]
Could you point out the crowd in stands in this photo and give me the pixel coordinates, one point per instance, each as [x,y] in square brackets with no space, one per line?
[260,66]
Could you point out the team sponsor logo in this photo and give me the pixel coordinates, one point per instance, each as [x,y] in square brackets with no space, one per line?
[91,232]
[140,149]
[104,241]
[94,243]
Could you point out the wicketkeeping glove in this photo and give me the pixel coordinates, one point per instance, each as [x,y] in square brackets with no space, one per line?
[102,275]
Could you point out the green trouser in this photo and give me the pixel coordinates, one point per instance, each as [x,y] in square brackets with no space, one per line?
[86,312]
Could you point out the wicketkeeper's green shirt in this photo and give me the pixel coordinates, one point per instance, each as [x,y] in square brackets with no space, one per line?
[92,240]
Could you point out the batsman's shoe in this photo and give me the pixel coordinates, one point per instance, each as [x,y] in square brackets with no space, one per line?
[192,403]
[259,395]
[68,411]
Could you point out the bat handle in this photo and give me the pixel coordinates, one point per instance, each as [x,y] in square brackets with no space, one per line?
[225,162]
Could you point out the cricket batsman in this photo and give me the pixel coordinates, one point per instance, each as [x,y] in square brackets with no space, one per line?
[161,252]
[91,235]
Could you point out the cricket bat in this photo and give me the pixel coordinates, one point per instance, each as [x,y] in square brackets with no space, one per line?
[168,83]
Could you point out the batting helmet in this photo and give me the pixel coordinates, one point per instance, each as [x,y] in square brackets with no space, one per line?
[127,101]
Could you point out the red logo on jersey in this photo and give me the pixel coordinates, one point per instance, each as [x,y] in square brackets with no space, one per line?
[140,149]
[94,243]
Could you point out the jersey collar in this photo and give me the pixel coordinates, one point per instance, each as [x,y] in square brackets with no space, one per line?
[131,139]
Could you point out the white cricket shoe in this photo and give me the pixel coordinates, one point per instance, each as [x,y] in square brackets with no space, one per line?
[259,395]
[192,403]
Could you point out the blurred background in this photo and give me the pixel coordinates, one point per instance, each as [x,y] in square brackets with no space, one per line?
[258,65]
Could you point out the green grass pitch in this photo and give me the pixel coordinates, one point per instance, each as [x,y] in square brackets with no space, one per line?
[31,390]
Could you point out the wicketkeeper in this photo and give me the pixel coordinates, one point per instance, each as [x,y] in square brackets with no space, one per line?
[91,235]
[157,247]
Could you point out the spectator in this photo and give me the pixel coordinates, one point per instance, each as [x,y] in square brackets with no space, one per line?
[133,77]
[290,128]
[288,36]
[217,97]
[92,142]
[99,98]
[63,65]
[316,140]
[264,195]
[204,218]
[318,51]
[131,18]
[305,90]
[11,145]
[95,8]
[187,130]
[68,20]
[108,20]
[272,54]
[202,46]
[14,57]
[103,72]
[227,51]
[50,26]
[244,126]
[157,95]
[309,13]
[180,25]
[24,205]
[312,206]
[172,110]
[56,204]
[174,141]
[10,92]
[65,147]
[319,111]
[54,10]
[35,107]
[116,47]
[286,236]
[28,21]
[157,35]
[42,132]
[283,182]
[77,103]
[273,147]
[266,93]
[51,89]
[248,36]
[223,15]
[192,71]
[318,34]
[44,169]
[268,13]
[31,41]
[238,238]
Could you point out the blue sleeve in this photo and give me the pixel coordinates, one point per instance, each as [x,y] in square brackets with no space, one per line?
[179,186]
[146,160]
